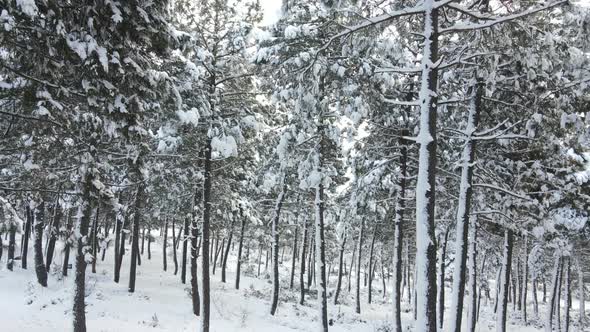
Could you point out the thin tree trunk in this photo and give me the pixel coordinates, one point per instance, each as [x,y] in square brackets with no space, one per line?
[174,256]
[371,252]
[184,252]
[568,295]
[53,233]
[149,245]
[302,262]
[525,278]
[535,300]
[441,279]
[11,246]
[321,246]
[558,301]
[94,237]
[504,283]
[472,283]
[227,248]
[26,236]
[259,259]
[240,246]
[66,262]
[275,246]
[294,258]
[397,232]
[138,210]
[358,269]
[352,265]
[340,263]
[120,219]
[218,251]
[205,236]
[581,293]
[122,245]
[79,307]
[40,269]
[463,211]
[142,240]
[164,245]
[196,299]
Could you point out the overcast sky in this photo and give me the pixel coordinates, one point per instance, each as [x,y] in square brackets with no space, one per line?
[272,9]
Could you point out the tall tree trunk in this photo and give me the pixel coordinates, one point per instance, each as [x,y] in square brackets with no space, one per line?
[196,299]
[371,252]
[94,237]
[472,285]
[164,245]
[535,300]
[26,236]
[53,233]
[79,307]
[358,269]
[558,301]
[217,252]
[525,278]
[340,263]
[138,210]
[142,240]
[504,283]
[66,262]
[184,252]
[463,211]
[321,250]
[205,236]
[441,279]
[294,258]
[11,246]
[174,256]
[397,232]
[149,245]
[310,265]
[275,247]
[581,293]
[302,262]
[352,265]
[120,219]
[228,247]
[425,187]
[40,269]
[122,245]
[568,295]
[240,246]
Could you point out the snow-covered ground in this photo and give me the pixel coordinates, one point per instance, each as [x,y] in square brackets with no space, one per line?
[161,302]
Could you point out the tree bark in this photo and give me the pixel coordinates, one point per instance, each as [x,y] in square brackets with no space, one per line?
[275,246]
[581,293]
[120,219]
[358,269]
[321,251]
[241,245]
[66,262]
[504,283]
[174,256]
[228,247]
[40,269]
[11,247]
[302,262]
[53,233]
[525,278]
[553,298]
[425,187]
[26,236]
[472,283]
[205,236]
[441,279]
[94,237]
[294,258]
[568,295]
[164,245]
[463,211]
[196,299]
[138,210]
[340,263]
[184,252]
[371,252]
[79,307]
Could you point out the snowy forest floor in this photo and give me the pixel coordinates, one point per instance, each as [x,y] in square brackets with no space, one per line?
[162,303]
